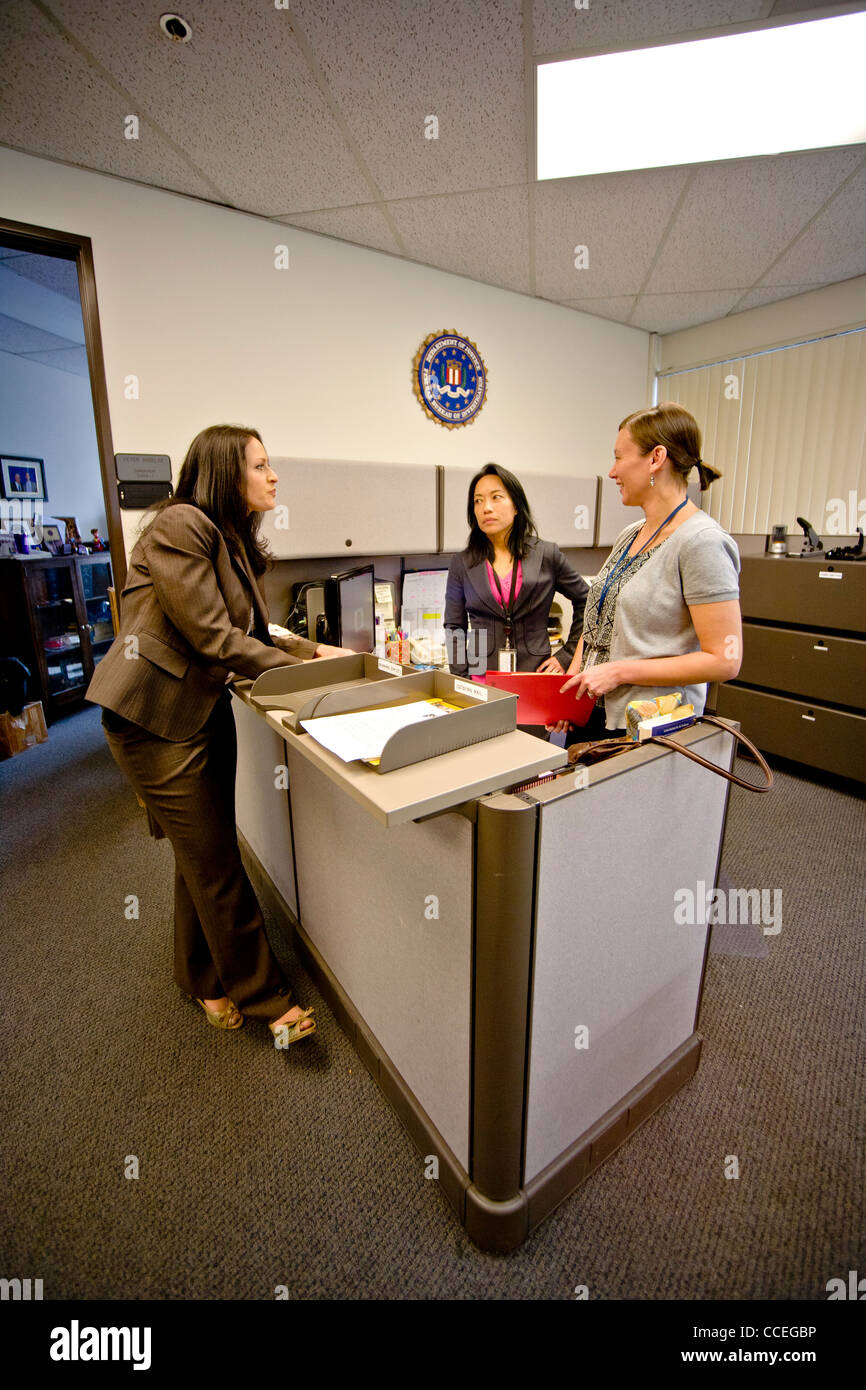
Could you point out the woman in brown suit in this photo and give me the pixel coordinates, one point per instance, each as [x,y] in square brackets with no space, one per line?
[192,616]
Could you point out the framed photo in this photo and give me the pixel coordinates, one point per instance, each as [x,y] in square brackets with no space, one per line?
[22,477]
[7,544]
[71,524]
[52,539]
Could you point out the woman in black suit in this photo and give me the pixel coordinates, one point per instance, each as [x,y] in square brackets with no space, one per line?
[504,553]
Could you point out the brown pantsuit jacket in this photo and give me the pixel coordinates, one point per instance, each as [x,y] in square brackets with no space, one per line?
[184,616]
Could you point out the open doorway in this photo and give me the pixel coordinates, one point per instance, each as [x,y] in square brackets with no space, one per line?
[62,557]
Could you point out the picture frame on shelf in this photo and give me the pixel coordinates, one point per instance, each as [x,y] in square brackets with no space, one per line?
[51,538]
[72,542]
[22,478]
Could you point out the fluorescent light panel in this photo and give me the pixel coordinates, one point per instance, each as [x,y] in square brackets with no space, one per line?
[799,87]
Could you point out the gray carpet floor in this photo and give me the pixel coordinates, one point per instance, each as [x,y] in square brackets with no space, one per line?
[258,1168]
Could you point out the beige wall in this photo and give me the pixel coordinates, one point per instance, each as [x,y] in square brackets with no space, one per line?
[829,310]
[319,357]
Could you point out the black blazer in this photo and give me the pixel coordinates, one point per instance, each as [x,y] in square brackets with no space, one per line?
[468,596]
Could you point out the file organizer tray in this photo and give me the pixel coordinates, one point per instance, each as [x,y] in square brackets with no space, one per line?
[299,690]
[484,713]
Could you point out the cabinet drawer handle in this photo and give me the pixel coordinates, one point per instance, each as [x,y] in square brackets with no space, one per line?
[820,648]
[810,717]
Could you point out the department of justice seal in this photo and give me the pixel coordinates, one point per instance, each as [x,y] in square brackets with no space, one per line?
[450,379]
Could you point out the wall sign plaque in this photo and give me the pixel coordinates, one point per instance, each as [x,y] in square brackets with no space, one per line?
[450,379]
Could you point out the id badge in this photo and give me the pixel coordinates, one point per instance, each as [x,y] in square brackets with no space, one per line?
[507,659]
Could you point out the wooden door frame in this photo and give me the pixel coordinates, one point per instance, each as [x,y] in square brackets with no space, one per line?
[70,246]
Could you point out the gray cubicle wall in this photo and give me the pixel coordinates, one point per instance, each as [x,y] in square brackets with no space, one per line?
[262,798]
[343,508]
[390,912]
[632,984]
[563,506]
[612,515]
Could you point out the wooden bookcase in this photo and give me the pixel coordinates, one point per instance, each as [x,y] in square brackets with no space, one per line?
[55,616]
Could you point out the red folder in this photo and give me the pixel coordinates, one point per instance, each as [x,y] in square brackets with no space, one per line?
[538,697]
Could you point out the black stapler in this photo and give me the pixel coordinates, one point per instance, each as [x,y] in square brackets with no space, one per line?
[812,547]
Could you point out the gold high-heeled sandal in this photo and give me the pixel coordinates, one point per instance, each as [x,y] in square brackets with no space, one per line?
[230,1017]
[287,1033]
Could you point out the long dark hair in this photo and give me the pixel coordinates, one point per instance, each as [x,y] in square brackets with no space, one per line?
[213,477]
[480,547]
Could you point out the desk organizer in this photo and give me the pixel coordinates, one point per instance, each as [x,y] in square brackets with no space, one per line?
[299,690]
[365,682]
[484,713]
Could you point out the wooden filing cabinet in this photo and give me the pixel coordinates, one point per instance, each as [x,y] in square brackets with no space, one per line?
[801,689]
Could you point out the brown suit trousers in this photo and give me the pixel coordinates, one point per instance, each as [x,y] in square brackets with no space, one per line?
[188,786]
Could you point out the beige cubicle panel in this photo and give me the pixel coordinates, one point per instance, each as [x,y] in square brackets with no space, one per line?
[341,508]
[613,517]
[563,506]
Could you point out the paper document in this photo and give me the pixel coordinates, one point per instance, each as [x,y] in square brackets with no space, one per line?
[364,735]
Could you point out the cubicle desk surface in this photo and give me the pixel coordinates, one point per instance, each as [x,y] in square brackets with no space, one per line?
[554,909]
[437,784]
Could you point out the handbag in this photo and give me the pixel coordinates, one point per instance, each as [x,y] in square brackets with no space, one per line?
[590,753]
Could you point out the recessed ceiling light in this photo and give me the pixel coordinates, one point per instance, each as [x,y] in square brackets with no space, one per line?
[798,87]
[175,28]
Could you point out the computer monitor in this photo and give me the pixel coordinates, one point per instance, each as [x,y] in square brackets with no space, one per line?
[350,609]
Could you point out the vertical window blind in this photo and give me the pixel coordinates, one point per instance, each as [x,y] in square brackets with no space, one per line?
[787,428]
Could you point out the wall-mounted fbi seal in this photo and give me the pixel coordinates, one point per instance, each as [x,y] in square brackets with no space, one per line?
[450,379]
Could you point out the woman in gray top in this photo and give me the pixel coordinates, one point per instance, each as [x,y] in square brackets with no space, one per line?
[663,613]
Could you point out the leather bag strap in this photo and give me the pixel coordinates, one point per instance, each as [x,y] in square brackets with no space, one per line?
[608,748]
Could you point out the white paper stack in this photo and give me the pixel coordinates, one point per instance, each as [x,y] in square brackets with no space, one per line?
[364,735]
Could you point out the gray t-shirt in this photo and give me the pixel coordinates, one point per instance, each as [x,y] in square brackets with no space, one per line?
[698,563]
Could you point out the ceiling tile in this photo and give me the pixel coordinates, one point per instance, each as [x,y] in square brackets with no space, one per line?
[484,235]
[72,360]
[666,313]
[617,309]
[365,226]
[53,272]
[391,64]
[16,336]
[738,216]
[56,104]
[239,100]
[559,26]
[833,247]
[600,214]
[314,116]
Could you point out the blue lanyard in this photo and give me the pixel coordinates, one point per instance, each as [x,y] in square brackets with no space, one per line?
[625,559]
